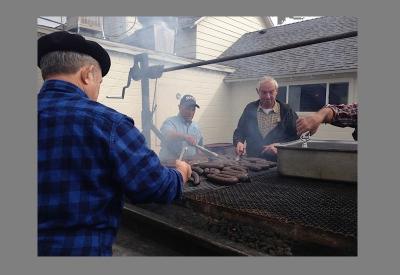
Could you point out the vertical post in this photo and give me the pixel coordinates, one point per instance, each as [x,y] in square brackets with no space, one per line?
[146,115]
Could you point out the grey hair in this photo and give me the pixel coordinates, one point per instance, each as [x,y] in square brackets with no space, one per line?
[60,62]
[268,79]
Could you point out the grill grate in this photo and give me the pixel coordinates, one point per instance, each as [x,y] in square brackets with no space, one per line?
[329,206]
[204,186]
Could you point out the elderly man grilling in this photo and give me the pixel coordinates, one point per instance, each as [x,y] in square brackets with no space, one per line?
[264,123]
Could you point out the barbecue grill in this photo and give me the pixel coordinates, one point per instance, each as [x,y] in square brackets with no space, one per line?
[311,211]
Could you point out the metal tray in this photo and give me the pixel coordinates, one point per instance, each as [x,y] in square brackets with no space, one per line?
[321,159]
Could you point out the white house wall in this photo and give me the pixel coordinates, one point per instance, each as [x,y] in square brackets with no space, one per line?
[216,34]
[253,22]
[242,93]
[113,83]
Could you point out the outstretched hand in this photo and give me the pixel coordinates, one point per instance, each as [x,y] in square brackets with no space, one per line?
[308,123]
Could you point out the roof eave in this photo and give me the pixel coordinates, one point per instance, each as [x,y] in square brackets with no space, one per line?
[293,75]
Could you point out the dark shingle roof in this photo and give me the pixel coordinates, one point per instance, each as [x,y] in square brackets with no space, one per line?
[328,56]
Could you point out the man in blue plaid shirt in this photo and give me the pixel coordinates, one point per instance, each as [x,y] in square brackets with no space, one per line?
[89,156]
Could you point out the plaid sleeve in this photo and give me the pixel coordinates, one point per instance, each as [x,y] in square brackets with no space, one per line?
[345,115]
[138,168]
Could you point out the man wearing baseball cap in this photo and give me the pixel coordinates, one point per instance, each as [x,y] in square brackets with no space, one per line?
[180,131]
[89,156]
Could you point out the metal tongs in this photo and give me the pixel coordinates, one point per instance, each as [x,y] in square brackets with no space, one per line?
[184,149]
[206,151]
[305,137]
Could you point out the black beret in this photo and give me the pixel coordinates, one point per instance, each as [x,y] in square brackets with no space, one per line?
[65,41]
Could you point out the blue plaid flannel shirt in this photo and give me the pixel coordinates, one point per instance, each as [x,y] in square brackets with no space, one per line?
[89,158]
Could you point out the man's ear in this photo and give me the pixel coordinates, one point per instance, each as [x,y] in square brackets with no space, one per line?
[87,74]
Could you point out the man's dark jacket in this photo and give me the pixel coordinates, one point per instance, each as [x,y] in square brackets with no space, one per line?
[247,130]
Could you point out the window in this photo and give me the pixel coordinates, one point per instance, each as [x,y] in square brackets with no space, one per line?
[282,94]
[338,93]
[307,98]
[311,97]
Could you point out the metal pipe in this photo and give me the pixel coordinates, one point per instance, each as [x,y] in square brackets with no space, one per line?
[275,49]
[146,114]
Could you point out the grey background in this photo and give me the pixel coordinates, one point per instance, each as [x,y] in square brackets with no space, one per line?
[378,132]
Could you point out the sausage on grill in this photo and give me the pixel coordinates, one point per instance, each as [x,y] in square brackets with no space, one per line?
[212,171]
[198,170]
[236,168]
[243,177]
[216,165]
[196,178]
[224,180]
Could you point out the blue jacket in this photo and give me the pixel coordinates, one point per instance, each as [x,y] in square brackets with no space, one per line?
[90,157]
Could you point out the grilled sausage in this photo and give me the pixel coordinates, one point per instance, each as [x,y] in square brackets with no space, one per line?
[236,168]
[253,159]
[222,180]
[254,167]
[263,166]
[242,177]
[216,165]
[196,178]
[198,170]
[251,166]
[211,171]
[259,161]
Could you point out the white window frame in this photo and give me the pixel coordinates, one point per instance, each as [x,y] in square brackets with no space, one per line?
[350,96]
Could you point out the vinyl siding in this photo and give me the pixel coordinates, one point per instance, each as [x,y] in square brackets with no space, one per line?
[216,34]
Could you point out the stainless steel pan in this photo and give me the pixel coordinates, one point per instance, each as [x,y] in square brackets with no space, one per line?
[320,159]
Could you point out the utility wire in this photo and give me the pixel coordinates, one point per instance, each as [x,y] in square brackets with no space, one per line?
[118,35]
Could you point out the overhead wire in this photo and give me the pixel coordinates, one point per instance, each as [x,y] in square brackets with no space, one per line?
[124,32]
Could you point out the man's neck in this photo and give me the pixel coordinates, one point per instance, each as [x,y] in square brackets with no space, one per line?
[268,106]
[184,120]
[71,79]
[68,78]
